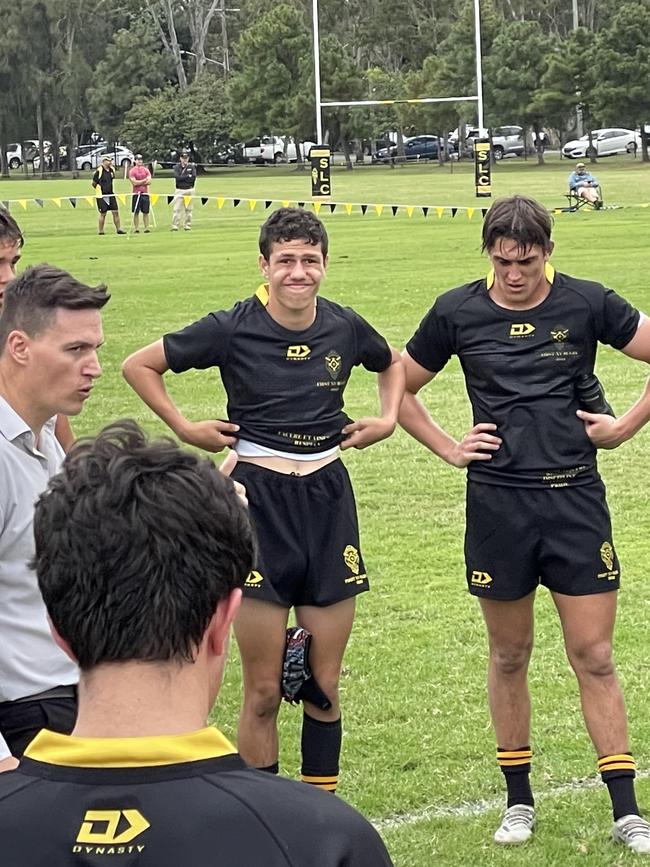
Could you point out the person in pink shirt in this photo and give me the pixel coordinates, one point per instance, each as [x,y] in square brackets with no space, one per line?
[140,178]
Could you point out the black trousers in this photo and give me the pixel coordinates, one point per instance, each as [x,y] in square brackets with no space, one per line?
[21,721]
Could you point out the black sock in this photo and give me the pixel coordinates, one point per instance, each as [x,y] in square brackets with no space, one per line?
[321,748]
[271,769]
[515,765]
[618,774]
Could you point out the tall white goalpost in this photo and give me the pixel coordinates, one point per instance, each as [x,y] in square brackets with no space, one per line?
[477,98]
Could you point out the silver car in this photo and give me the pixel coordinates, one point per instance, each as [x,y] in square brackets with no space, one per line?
[606,142]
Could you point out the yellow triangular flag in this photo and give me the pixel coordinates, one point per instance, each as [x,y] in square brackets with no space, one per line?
[286,204]
[220,202]
[317,207]
[379,209]
[440,212]
[252,203]
[121,198]
[23,204]
[154,198]
[470,213]
[187,200]
[409,210]
[90,201]
[57,202]
[348,208]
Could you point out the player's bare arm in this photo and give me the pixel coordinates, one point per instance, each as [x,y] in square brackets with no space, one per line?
[478,444]
[607,432]
[144,371]
[366,431]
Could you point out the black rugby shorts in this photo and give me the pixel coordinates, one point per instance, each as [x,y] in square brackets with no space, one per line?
[308,536]
[517,538]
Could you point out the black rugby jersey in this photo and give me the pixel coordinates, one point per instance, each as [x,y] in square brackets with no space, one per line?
[285,388]
[183,801]
[521,368]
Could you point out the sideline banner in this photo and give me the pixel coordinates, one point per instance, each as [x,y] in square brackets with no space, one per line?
[482,168]
[321,182]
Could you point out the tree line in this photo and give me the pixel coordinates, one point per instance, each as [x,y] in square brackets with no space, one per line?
[161,74]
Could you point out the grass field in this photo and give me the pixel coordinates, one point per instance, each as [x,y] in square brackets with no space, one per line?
[418,749]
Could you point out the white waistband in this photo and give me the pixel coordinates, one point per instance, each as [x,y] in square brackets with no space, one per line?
[247,449]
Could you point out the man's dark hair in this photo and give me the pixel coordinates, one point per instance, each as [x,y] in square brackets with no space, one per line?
[32,299]
[136,543]
[519,218]
[292,224]
[9,229]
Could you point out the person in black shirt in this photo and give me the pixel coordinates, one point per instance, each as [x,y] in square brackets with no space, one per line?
[285,357]
[142,593]
[106,199]
[526,337]
[185,181]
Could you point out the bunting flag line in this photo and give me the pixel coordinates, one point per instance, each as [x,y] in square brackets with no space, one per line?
[349,207]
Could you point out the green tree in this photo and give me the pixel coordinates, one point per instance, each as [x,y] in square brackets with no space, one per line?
[341,81]
[134,65]
[198,116]
[272,88]
[622,92]
[516,64]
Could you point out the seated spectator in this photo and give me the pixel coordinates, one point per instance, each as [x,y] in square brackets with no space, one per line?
[141,553]
[585,185]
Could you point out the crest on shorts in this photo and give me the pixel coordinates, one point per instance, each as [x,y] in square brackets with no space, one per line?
[333,363]
[351,557]
[560,333]
[607,555]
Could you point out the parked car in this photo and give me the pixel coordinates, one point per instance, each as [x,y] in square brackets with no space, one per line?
[270,149]
[606,142]
[15,152]
[418,147]
[122,157]
[508,140]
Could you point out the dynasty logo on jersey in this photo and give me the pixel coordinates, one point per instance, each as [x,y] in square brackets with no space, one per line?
[521,329]
[481,579]
[298,352]
[108,832]
[254,579]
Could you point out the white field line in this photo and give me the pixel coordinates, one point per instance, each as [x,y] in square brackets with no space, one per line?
[478,808]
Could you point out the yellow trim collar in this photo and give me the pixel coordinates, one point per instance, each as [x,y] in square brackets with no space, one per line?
[549,273]
[262,294]
[57,749]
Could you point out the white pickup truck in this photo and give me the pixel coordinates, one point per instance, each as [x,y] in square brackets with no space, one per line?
[270,149]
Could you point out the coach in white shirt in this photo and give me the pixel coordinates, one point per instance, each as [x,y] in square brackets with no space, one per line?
[50,331]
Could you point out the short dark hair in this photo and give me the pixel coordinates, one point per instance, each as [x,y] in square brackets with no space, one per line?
[32,299]
[520,218]
[9,229]
[292,224]
[136,542]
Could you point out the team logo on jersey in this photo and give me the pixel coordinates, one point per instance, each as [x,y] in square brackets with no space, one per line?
[480,579]
[607,555]
[112,828]
[521,329]
[351,557]
[333,363]
[298,352]
[254,579]
[560,333]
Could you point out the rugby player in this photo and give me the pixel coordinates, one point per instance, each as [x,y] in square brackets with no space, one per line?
[526,337]
[285,356]
[141,552]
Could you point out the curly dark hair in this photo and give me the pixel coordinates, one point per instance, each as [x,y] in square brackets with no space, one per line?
[136,543]
[292,224]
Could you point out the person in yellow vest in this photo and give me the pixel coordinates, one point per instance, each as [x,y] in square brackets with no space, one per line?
[106,200]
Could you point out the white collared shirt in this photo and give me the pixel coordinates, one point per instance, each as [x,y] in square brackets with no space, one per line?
[30,661]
